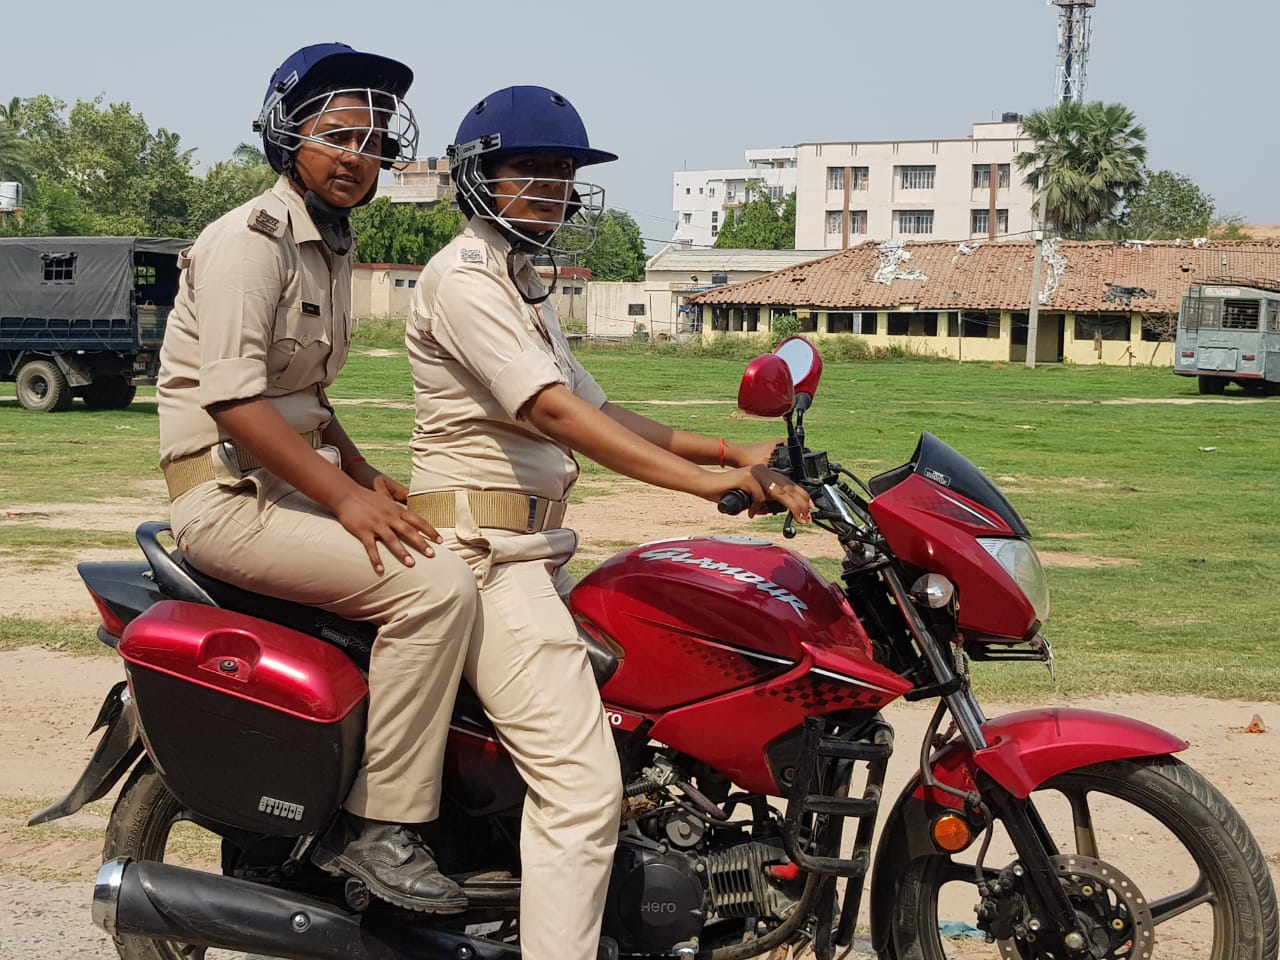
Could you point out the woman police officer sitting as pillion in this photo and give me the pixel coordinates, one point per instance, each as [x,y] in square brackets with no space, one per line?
[270,494]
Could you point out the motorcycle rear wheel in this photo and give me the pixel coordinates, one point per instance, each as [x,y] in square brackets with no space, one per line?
[1203,834]
[145,824]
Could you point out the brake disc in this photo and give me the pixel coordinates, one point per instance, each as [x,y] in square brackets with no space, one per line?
[1114,913]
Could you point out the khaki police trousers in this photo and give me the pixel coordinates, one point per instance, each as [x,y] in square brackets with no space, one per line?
[269,538]
[529,667]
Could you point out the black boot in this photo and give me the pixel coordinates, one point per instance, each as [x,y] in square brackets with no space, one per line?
[392,861]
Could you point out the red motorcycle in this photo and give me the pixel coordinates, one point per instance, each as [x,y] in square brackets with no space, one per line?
[746,693]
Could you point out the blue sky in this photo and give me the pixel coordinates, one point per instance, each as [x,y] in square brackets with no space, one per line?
[669,85]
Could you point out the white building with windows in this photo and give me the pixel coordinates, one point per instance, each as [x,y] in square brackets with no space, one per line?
[701,197]
[942,190]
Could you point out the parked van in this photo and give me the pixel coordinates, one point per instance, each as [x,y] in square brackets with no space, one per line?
[1229,334]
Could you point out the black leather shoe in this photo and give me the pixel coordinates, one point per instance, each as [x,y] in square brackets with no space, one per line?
[391,860]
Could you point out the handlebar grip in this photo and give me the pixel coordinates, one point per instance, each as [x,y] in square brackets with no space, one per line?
[734,501]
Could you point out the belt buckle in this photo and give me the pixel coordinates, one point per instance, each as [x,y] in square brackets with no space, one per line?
[532,525]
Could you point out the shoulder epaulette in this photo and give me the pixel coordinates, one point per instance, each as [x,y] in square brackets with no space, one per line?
[269,215]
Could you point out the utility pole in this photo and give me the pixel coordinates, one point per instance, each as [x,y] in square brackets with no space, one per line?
[1037,263]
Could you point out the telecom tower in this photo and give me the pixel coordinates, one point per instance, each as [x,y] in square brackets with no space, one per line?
[1073,48]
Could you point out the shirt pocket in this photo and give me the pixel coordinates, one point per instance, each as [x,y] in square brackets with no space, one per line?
[300,349]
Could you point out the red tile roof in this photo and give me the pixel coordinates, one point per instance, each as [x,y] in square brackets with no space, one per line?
[1097,277]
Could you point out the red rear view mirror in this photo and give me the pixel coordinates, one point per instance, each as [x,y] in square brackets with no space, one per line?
[804,365]
[766,389]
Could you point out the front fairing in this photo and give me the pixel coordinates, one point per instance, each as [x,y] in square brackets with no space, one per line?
[944,465]
[932,512]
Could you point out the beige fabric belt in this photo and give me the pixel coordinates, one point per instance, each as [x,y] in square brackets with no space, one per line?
[194,469]
[500,509]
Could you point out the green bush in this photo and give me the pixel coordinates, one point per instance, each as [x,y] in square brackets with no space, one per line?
[378,332]
[784,326]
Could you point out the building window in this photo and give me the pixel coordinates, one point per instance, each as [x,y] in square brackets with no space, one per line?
[715,231]
[982,176]
[980,221]
[775,192]
[686,217]
[715,217]
[399,281]
[699,191]
[857,221]
[1097,326]
[711,191]
[980,325]
[915,221]
[861,177]
[835,178]
[59,267]
[687,191]
[835,221]
[412,284]
[1273,316]
[916,178]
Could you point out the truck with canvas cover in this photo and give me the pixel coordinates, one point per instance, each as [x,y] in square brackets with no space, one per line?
[84,316]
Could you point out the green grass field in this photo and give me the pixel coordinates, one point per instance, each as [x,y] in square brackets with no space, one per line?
[1169,510]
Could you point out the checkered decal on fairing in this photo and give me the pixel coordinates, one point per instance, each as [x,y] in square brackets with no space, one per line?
[818,695]
[738,667]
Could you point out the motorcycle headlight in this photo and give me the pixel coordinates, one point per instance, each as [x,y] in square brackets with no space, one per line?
[1019,560]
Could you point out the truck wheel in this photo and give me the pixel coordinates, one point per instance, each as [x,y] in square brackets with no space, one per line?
[108,393]
[42,387]
[1211,385]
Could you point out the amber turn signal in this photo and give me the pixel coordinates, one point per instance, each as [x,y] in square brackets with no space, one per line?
[951,833]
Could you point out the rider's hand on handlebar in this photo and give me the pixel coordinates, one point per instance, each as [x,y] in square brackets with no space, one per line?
[762,484]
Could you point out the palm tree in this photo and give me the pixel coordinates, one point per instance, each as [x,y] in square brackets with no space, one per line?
[15,163]
[10,113]
[1088,158]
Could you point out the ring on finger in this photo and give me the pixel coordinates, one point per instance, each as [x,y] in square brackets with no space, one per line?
[769,488]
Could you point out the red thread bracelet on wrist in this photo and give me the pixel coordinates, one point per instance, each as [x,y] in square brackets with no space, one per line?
[723,444]
[352,462]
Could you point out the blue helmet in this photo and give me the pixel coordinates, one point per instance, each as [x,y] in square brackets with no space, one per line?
[520,120]
[526,119]
[309,78]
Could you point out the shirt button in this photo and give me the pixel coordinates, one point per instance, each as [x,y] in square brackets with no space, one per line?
[305,340]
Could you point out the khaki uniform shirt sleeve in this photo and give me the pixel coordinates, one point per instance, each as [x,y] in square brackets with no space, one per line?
[237,288]
[478,321]
[585,386]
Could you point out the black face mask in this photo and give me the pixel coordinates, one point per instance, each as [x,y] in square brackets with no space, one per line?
[334,223]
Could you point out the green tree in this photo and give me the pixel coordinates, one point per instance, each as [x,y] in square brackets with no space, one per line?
[389,232]
[618,250]
[15,160]
[130,180]
[1086,162]
[1168,206]
[761,223]
[226,185]
[10,113]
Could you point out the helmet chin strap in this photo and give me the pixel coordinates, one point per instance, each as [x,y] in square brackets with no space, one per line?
[333,223]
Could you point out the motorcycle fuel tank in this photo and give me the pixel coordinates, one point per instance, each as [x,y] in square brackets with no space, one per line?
[703,616]
[249,723]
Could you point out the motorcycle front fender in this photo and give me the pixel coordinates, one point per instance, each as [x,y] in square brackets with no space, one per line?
[1025,749]
[1029,747]
[119,747]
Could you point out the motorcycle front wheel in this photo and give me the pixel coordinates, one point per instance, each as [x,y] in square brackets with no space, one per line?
[1154,857]
[146,824]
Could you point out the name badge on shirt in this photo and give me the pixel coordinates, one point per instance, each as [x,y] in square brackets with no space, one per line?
[311,309]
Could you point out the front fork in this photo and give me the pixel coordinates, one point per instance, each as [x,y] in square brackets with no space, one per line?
[1029,838]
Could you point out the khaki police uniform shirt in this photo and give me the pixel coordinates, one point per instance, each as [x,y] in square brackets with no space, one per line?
[478,353]
[263,310]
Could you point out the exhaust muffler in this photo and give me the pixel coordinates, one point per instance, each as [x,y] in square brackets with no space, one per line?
[162,901]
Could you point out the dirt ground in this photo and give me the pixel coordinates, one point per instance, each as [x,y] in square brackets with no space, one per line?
[51,698]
